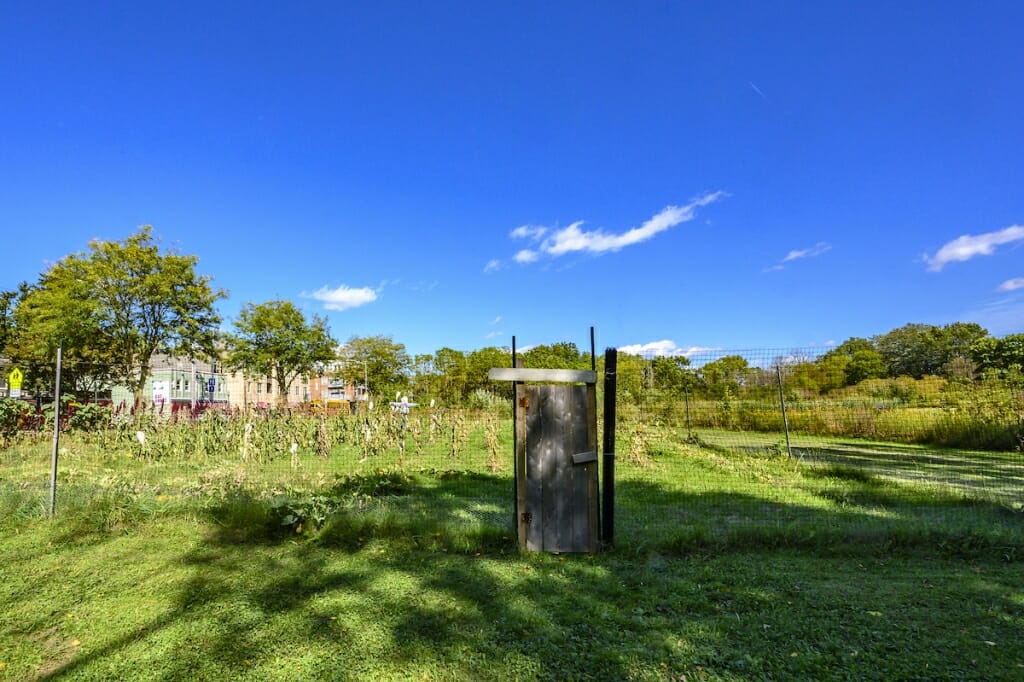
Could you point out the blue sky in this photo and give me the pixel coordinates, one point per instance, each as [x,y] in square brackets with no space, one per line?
[715,175]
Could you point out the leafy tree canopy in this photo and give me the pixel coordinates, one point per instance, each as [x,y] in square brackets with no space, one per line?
[671,374]
[386,363]
[724,374]
[8,303]
[275,339]
[918,350]
[118,304]
[999,357]
[561,355]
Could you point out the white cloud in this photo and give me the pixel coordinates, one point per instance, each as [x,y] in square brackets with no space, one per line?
[526,256]
[816,250]
[573,238]
[797,254]
[494,335]
[343,297]
[493,265]
[968,246]
[528,232]
[664,348]
[495,321]
[1011,284]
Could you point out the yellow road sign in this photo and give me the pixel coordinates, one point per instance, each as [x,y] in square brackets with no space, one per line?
[14,379]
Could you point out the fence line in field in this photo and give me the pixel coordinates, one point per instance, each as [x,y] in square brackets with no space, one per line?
[720,443]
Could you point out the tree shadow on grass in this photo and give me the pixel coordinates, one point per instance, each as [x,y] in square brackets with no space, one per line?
[387,595]
[999,477]
[844,509]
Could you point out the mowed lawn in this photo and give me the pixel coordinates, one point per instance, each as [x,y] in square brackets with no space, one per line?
[736,564]
[200,594]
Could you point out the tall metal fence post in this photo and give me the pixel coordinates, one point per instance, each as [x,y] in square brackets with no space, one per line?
[515,447]
[608,487]
[689,422]
[782,401]
[56,433]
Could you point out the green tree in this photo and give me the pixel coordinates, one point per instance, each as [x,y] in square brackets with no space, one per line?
[671,374]
[724,375]
[480,362]
[51,314]
[812,378]
[386,364]
[865,363]
[859,360]
[911,350]
[275,339]
[561,355]
[918,350]
[960,337]
[8,303]
[125,301]
[851,346]
[629,380]
[450,366]
[999,358]
[426,381]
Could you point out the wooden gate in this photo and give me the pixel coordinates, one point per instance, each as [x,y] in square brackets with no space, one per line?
[556,460]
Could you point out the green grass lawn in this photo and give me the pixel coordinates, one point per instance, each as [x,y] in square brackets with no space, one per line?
[730,563]
[190,593]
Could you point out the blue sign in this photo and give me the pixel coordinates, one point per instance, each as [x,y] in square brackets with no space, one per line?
[211,385]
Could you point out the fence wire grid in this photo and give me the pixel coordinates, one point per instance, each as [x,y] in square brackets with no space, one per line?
[724,444]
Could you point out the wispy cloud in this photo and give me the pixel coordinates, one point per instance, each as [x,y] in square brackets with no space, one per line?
[493,265]
[1000,316]
[493,335]
[343,297]
[968,246]
[816,250]
[495,321]
[663,348]
[528,232]
[1011,284]
[797,254]
[553,243]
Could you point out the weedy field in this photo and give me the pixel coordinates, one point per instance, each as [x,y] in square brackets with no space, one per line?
[352,556]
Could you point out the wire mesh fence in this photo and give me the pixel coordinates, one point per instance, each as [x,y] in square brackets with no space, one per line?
[730,443]
[712,447]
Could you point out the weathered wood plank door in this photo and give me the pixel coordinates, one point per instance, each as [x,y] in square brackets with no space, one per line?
[556,448]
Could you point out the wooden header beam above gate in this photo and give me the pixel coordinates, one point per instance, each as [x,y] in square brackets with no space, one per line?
[547,376]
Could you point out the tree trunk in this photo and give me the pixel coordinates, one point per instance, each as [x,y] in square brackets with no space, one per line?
[282,387]
[140,384]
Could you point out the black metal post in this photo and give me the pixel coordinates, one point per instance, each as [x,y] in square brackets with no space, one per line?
[56,433]
[593,358]
[689,423]
[515,447]
[608,487]
[782,401]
